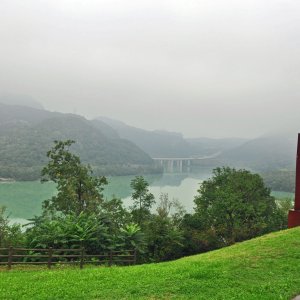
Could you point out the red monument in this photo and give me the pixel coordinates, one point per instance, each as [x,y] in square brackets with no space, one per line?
[294,214]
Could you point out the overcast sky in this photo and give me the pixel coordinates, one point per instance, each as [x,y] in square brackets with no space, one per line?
[215,68]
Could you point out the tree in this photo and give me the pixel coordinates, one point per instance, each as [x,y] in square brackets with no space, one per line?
[235,205]
[142,198]
[164,236]
[4,225]
[10,235]
[78,190]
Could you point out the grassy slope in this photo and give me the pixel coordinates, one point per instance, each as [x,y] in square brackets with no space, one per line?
[264,268]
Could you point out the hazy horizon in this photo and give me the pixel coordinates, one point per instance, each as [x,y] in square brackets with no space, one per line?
[223,68]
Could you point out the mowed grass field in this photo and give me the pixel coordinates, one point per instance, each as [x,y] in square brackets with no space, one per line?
[263,268]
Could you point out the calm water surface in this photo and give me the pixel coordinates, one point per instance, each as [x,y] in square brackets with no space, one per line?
[24,199]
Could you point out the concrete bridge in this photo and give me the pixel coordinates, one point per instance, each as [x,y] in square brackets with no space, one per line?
[179,164]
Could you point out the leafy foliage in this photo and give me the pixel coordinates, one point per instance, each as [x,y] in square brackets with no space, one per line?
[70,231]
[78,190]
[133,237]
[282,180]
[142,199]
[236,205]
[164,234]
[10,235]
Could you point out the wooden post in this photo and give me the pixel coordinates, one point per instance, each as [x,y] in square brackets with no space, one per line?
[10,257]
[134,257]
[82,258]
[50,257]
[110,258]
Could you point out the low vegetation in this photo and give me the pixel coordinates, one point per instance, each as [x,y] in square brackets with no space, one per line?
[231,206]
[263,268]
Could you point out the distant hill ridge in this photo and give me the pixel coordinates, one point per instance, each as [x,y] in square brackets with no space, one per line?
[115,148]
[268,152]
[26,134]
[274,151]
[159,143]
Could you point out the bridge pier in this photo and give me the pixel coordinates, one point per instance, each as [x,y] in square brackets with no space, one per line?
[180,166]
[173,164]
[188,165]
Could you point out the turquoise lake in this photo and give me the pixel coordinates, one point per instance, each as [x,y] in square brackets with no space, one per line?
[24,199]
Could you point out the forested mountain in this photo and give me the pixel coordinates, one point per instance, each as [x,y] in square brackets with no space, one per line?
[114,148]
[26,134]
[210,146]
[159,143]
[155,143]
[270,152]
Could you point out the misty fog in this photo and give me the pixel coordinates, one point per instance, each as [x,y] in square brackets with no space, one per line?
[203,68]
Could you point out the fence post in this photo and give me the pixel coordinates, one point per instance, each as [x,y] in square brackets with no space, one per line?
[10,258]
[50,252]
[82,258]
[110,258]
[134,257]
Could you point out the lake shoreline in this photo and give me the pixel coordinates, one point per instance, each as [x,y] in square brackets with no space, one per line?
[23,199]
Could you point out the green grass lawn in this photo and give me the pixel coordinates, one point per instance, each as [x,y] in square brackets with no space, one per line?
[264,268]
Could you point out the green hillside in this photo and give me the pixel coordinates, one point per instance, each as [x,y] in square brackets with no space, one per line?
[26,134]
[262,268]
[160,143]
[156,143]
[270,152]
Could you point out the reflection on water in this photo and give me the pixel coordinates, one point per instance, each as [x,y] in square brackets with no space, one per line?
[18,221]
[119,186]
[180,186]
[184,192]
[24,199]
